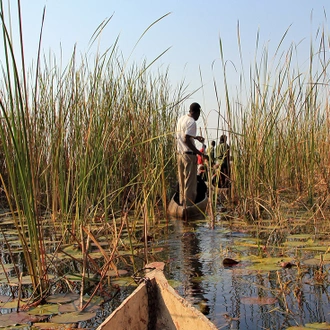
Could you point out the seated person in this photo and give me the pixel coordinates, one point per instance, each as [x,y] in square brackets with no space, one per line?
[200,159]
[201,185]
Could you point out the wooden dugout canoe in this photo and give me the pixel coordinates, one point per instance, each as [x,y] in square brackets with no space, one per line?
[163,309]
[196,211]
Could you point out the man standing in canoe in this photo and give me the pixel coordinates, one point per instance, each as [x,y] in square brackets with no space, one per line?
[186,134]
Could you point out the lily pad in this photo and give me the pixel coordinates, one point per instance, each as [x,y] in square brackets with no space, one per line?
[73,251]
[4,298]
[325,256]
[311,262]
[258,300]
[74,277]
[174,284]
[125,253]
[62,298]
[157,250]
[16,318]
[52,326]
[96,255]
[320,248]
[3,278]
[250,257]
[42,310]
[74,306]
[73,317]
[267,264]
[248,244]
[299,236]
[6,268]
[104,243]
[17,327]
[25,280]
[78,277]
[119,272]
[243,271]
[15,244]
[12,304]
[323,326]
[263,267]
[123,281]
[295,244]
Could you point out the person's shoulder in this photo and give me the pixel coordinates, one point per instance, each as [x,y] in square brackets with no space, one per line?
[181,118]
[188,120]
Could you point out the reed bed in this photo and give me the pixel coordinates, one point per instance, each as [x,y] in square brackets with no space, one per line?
[87,143]
[106,139]
[278,125]
[97,141]
[91,142]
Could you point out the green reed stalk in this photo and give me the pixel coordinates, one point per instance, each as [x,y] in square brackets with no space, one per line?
[19,149]
[277,124]
[88,140]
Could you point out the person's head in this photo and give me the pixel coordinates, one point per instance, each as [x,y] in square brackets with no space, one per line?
[223,139]
[213,143]
[195,110]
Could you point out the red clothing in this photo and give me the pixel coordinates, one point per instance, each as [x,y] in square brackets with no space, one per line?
[200,160]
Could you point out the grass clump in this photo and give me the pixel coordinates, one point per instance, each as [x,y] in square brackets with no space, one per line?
[278,125]
[84,144]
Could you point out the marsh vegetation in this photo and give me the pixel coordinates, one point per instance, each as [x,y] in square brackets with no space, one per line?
[88,163]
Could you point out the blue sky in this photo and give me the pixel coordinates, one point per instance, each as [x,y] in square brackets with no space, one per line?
[192,30]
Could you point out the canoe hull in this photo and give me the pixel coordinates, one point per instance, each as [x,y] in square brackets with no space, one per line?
[196,211]
[170,310]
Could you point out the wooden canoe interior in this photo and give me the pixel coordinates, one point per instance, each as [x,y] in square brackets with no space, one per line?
[131,314]
[173,311]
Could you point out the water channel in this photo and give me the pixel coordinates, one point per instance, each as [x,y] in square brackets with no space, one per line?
[250,295]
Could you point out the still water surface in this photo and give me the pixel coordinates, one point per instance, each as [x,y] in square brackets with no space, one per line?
[239,297]
[195,255]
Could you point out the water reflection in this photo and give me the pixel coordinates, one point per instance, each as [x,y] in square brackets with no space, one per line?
[195,254]
[193,268]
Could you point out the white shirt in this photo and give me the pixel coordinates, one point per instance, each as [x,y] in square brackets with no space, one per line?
[186,126]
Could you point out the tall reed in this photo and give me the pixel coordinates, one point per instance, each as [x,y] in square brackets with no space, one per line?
[89,141]
[20,177]
[278,123]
